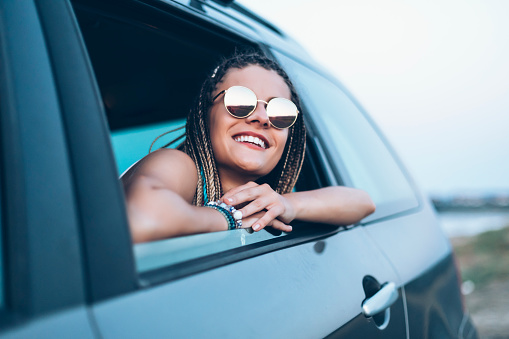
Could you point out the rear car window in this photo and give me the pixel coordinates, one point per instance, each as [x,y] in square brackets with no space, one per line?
[361,157]
[132,144]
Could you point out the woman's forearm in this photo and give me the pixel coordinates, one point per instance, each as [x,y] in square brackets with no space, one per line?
[158,213]
[338,205]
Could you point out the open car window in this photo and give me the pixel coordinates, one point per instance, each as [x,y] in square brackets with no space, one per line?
[149,68]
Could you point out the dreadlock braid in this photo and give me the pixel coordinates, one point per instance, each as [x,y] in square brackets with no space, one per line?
[198,146]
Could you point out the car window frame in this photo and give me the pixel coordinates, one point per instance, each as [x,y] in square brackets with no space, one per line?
[105,238]
[171,272]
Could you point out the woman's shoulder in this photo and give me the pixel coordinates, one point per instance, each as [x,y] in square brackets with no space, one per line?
[168,166]
[169,157]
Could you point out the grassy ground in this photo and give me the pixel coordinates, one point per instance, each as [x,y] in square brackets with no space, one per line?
[485,257]
[484,260]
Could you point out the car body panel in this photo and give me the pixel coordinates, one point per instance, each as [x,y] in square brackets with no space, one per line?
[278,294]
[69,323]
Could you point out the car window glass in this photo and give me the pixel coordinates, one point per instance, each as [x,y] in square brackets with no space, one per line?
[167,252]
[354,144]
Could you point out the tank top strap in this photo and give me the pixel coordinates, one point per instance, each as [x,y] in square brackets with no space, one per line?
[205,198]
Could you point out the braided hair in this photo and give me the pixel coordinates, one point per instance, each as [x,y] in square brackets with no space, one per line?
[198,146]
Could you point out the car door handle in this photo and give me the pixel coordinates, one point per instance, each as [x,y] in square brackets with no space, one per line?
[382,300]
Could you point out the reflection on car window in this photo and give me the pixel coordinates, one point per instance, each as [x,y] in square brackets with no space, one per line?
[346,131]
[157,254]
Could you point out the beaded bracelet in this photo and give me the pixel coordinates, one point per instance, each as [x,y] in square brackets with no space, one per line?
[232,216]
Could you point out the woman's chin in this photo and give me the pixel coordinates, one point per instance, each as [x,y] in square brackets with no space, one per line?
[254,169]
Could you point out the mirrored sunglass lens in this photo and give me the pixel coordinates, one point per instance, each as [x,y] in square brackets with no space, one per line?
[240,101]
[282,112]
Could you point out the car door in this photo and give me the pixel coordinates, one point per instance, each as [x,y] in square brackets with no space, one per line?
[309,283]
[42,285]
[404,225]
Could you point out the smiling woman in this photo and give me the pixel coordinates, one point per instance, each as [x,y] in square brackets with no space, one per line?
[238,165]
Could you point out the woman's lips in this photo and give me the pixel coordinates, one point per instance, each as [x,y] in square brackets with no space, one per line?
[253,139]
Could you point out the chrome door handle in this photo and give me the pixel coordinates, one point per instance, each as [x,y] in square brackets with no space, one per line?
[382,300]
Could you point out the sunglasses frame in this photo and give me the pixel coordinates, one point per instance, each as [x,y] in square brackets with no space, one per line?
[224,91]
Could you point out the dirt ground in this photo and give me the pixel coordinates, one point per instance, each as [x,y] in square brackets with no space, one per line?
[484,263]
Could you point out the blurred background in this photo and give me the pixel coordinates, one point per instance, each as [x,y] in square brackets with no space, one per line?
[434,75]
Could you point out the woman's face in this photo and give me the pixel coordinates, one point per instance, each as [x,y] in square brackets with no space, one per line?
[226,132]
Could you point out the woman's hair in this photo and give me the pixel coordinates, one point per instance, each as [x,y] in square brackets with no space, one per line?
[198,146]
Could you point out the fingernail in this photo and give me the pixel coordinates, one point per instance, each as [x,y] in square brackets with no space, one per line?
[256,227]
[291,228]
[229,199]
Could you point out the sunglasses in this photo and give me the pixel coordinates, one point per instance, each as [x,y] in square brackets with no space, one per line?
[241,102]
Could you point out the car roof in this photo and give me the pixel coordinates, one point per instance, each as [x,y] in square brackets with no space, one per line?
[236,17]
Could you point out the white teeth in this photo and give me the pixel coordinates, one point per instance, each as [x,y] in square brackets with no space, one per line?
[259,142]
[251,139]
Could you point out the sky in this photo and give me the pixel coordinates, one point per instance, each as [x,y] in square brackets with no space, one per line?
[433,74]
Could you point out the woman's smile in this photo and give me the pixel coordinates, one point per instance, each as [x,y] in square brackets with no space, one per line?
[253,140]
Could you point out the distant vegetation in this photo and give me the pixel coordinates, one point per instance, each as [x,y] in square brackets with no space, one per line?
[485,257]
[471,202]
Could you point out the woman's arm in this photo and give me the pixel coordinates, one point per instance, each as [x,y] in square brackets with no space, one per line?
[159,193]
[336,205]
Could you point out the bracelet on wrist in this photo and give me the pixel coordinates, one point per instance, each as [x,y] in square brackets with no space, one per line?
[232,216]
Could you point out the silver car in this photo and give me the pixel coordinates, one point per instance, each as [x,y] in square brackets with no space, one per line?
[86,85]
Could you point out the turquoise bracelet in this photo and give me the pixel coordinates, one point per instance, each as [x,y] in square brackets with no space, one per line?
[232,216]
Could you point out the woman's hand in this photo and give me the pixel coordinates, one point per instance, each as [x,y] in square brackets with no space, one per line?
[264,206]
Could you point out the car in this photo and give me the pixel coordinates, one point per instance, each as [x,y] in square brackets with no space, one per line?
[87,85]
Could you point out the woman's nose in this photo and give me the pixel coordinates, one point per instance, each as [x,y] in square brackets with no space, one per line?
[260,115]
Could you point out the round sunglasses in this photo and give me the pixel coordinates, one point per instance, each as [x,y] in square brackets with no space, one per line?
[241,102]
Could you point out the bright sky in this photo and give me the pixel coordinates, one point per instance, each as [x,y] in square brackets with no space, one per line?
[433,74]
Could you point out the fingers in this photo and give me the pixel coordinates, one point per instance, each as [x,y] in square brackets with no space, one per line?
[253,220]
[227,198]
[247,192]
[268,218]
[281,226]
[277,224]
[260,197]
[264,205]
